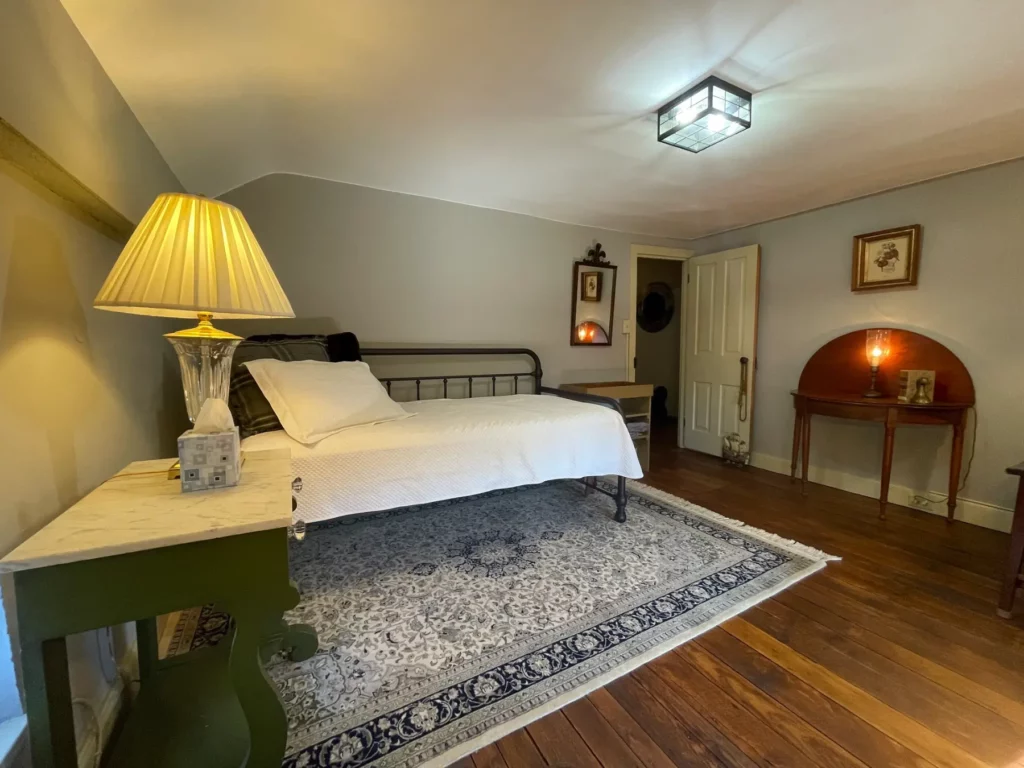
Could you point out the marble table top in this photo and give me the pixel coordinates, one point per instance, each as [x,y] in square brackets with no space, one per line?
[139,509]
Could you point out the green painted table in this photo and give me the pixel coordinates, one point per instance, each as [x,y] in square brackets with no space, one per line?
[136,548]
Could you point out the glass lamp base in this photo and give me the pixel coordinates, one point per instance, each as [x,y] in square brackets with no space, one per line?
[204,354]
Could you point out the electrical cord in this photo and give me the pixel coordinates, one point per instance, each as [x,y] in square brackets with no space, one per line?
[919,498]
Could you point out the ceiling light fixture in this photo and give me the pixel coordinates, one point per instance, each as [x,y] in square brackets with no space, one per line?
[706,114]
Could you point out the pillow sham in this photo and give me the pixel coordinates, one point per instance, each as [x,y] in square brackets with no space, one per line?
[249,407]
[314,399]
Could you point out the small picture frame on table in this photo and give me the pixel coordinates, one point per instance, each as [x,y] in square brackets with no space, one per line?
[886,259]
[590,286]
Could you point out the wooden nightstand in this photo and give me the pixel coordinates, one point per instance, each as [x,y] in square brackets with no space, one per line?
[133,549]
[635,400]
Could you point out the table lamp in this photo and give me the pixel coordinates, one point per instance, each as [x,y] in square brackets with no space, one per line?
[876,347]
[191,256]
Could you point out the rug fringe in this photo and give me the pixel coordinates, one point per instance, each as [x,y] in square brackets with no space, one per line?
[727,522]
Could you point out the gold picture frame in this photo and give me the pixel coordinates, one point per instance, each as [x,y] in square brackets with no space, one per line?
[590,286]
[889,258]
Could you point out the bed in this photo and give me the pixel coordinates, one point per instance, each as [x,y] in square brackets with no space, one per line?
[456,447]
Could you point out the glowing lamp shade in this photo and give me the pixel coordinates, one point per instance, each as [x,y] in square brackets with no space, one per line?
[192,255]
[589,332]
[195,257]
[876,345]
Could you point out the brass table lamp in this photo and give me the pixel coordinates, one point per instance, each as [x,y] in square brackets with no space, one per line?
[191,256]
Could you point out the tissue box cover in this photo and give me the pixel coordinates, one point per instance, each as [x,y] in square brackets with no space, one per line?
[209,460]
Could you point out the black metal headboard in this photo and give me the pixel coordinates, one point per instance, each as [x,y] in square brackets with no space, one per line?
[536,374]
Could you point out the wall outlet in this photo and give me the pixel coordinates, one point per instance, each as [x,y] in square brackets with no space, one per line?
[920,502]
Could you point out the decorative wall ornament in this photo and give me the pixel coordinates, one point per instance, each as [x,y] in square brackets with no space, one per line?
[886,259]
[657,307]
[597,256]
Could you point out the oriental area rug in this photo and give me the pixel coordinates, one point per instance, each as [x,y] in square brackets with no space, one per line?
[446,626]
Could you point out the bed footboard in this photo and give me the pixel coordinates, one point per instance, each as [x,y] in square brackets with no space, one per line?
[607,402]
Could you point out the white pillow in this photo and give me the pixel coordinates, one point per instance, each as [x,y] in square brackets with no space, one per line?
[314,399]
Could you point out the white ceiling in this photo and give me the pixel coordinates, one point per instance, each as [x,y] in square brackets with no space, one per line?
[543,106]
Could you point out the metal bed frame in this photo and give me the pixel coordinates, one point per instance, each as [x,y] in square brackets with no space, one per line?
[619,495]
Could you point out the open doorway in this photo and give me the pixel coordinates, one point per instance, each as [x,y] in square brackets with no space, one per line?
[658,336]
[657,280]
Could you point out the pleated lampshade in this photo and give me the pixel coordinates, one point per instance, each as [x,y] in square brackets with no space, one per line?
[193,255]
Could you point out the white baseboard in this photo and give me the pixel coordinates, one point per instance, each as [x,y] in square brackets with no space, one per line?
[968,510]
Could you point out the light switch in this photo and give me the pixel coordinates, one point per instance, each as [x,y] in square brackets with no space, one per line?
[627,326]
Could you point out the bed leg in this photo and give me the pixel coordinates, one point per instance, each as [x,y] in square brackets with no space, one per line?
[620,501]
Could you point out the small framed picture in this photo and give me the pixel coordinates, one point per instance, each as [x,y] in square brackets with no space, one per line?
[886,259]
[590,286]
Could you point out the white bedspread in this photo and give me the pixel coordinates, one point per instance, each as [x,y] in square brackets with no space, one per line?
[454,448]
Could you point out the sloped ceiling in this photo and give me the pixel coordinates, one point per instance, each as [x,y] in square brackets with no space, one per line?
[544,106]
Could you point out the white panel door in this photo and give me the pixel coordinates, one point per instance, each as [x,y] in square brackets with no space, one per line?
[721,333]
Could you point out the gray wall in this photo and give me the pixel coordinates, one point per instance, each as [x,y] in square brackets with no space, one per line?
[82,392]
[657,354]
[969,297]
[400,268]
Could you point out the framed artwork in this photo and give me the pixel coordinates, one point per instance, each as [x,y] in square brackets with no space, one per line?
[886,259]
[590,286]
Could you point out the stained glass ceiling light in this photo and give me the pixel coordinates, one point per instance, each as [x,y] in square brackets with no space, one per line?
[708,113]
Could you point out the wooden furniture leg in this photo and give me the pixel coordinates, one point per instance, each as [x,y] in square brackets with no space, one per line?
[955,459]
[805,423]
[264,713]
[51,724]
[147,642]
[797,428]
[1016,557]
[890,435]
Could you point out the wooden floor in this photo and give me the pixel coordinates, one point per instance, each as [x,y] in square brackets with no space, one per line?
[893,657]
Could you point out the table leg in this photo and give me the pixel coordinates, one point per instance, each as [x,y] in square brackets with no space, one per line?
[147,641]
[51,724]
[1016,556]
[797,425]
[890,435]
[805,423]
[264,712]
[955,459]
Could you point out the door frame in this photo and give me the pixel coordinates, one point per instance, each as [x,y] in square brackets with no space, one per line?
[637,252]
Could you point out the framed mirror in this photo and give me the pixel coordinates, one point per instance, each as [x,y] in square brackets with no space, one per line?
[593,300]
